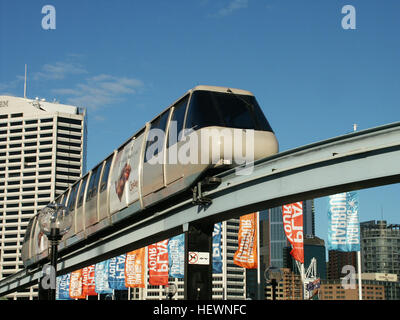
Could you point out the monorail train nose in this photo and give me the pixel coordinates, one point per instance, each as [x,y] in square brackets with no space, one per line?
[223,146]
[265,144]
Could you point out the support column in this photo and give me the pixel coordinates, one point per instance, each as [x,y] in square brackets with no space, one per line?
[198,261]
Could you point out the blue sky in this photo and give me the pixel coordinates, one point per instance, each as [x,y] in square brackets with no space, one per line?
[126,60]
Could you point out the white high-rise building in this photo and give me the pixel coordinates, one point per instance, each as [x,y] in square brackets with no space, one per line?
[42,152]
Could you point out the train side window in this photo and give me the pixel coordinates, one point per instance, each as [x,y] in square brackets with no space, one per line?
[152,140]
[72,197]
[106,172]
[82,192]
[93,184]
[96,181]
[90,185]
[178,117]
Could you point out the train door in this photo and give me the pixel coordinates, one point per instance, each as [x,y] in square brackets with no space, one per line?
[80,206]
[173,168]
[154,156]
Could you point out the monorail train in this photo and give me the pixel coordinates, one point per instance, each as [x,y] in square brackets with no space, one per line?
[129,177]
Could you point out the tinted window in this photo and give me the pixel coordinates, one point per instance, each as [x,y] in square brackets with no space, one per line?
[225,109]
[93,184]
[106,172]
[178,117]
[72,197]
[152,139]
[82,192]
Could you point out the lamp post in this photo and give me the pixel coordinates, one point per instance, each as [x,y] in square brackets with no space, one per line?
[54,222]
[273,275]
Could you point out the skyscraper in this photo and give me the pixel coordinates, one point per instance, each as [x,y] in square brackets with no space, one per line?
[42,152]
[339,259]
[380,247]
[277,237]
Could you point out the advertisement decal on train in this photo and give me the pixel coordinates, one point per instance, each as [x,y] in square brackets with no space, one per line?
[119,178]
[133,180]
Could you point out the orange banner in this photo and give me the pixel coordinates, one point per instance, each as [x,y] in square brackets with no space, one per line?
[88,281]
[134,269]
[158,263]
[75,285]
[246,254]
[293,225]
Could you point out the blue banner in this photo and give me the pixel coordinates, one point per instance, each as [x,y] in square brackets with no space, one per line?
[176,256]
[217,252]
[344,225]
[62,292]
[116,273]
[101,277]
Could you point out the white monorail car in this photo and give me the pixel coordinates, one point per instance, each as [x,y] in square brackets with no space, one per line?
[154,165]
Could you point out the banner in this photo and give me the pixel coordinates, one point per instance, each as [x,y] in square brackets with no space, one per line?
[217,252]
[75,285]
[101,278]
[158,263]
[293,226]
[246,254]
[63,287]
[135,269]
[176,256]
[343,221]
[88,281]
[116,272]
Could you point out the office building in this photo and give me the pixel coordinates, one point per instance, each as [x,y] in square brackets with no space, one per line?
[334,290]
[42,152]
[380,247]
[289,288]
[339,259]
[389,281]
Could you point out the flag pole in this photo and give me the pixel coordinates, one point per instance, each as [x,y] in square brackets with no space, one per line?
[25,81]
[359,275]
[358,254]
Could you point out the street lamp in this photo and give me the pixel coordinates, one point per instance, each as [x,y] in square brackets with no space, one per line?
[54,222]
[273,275]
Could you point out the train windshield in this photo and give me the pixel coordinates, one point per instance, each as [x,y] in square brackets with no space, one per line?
[208,108]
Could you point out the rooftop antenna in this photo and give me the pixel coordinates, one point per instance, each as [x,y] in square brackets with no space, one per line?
[25,82]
